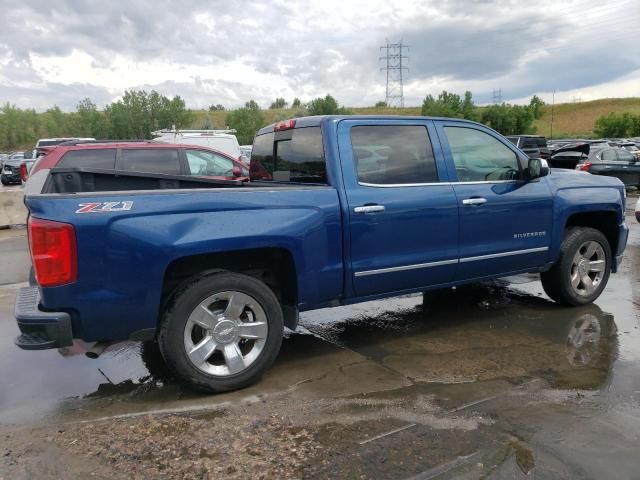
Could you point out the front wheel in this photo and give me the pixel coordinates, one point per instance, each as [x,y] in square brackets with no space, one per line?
[582,270]
[221,332]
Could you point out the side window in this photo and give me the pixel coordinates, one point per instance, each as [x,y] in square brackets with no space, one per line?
[626,156]
[150,160]
[479,157]
[206,163]
[609,155]
[300,158]
[99,158]
[393,154]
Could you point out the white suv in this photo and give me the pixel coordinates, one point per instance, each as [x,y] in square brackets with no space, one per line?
[222,140]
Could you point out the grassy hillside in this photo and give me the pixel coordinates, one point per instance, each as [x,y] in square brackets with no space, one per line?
[578,119]
[569,119]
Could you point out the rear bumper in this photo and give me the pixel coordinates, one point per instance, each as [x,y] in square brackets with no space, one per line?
[40,330]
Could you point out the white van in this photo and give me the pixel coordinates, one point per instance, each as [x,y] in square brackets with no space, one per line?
[222,140]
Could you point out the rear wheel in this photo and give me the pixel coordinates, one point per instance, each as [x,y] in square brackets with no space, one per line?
[222,332]
[582,270]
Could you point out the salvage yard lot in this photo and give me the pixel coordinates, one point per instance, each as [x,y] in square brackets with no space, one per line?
[491,380]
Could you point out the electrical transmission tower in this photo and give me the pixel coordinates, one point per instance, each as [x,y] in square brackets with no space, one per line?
[393,65]
[497,96]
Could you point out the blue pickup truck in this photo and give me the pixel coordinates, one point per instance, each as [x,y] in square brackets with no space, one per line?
[339,210]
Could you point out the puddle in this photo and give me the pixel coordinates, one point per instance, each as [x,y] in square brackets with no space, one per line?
[481,333]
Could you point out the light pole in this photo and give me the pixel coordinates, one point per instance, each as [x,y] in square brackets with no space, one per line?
[553,101]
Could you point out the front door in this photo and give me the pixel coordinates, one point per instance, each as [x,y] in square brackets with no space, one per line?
[403,221]
[505,221]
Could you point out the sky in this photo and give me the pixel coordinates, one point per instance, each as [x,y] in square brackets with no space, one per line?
[57,52]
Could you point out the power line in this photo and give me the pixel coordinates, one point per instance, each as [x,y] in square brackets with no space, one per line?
[393,66]
[497,96]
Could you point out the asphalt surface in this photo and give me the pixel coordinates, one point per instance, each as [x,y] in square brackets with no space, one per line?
[491,381]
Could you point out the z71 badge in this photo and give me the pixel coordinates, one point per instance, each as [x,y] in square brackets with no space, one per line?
[104,207]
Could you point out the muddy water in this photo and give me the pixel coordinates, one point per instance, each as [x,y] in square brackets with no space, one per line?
[472,334]
[492,379]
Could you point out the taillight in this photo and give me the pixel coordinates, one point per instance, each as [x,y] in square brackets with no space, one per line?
[584,166]
[53,252]
[284,125]
[23,172]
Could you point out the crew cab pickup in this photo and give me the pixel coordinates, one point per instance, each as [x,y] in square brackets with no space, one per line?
[339,210]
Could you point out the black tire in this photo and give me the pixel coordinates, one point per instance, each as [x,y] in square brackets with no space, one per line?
[4,182]
[172,341]
[557,280]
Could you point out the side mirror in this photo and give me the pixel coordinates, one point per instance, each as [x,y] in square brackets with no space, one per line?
[237,172]
[537,168]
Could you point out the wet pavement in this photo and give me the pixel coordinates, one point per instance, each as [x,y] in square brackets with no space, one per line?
[492,381]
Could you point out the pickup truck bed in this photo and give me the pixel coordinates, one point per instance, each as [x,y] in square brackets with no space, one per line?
[339,210]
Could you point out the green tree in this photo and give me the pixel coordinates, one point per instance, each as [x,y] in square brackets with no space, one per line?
[326,106]
[446,105]
[246,121]
[381,104]
[278,103]
[468,108]
[296,103]
[218,107]
[509,119]
[617,125]
[88,121]
[536,105]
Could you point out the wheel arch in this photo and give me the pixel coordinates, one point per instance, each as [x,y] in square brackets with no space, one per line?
[605,221]
[273,266]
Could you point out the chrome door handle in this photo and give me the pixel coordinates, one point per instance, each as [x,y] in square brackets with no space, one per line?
[474,201]
[369,209]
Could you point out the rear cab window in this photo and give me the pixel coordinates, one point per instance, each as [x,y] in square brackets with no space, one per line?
[295,156]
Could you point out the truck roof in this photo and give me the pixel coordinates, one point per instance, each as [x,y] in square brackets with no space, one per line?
[317,120]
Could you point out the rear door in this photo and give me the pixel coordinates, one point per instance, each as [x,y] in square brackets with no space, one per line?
[402,213]
[505,222]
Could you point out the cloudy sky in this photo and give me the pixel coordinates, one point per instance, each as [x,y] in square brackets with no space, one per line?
[56,52]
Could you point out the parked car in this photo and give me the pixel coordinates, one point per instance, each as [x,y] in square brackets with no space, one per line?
[612,162]
[631,147]
[535,146]
[569,155]
[221,140]
[11,169]
[213,270]
[144,157]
